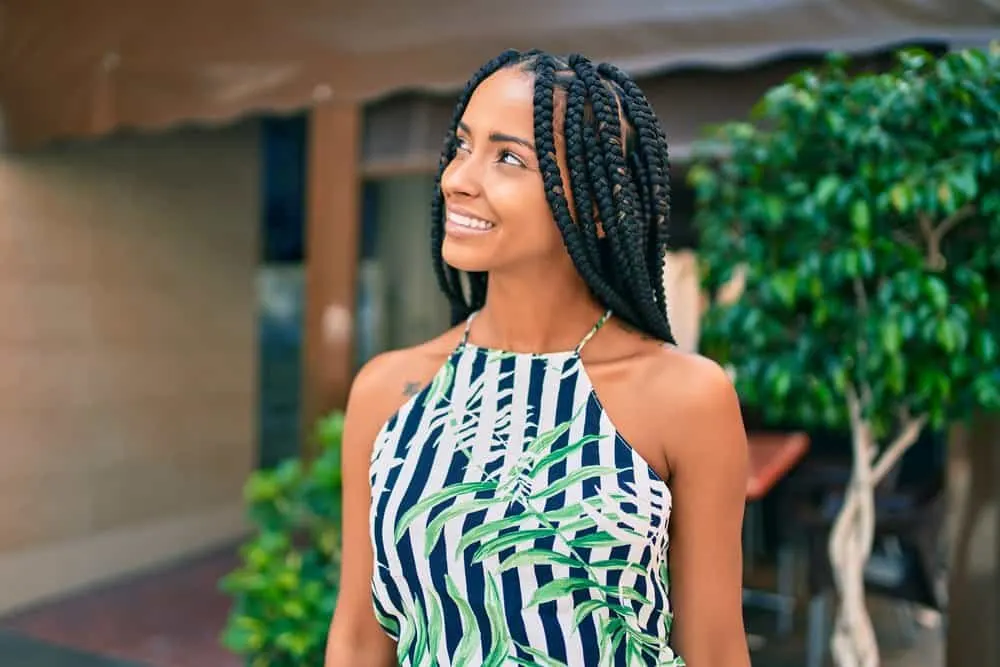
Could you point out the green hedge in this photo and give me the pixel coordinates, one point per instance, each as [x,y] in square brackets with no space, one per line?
[285,587]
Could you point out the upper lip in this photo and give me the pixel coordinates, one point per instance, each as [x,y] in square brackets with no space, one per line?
[467,213]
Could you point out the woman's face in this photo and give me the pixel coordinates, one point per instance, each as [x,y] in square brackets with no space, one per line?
[497,216]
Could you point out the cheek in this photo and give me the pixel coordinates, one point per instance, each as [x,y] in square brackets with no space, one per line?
[524,209]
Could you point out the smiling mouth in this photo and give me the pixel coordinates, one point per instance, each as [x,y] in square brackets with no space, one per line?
[468,222]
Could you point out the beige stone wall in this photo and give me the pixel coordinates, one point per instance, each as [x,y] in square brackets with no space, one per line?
[127,354]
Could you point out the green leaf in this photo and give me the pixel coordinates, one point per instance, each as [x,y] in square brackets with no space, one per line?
[445,494]
[499,635]
[495,527]
[539,557]
[861,216]
[901,197]
[569,480]
[826,188]
[502,542]
[544,441]
[437,524]
[469,643]
[562,453]
[540,659]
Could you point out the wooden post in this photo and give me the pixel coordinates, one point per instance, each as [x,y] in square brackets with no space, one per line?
[333,220]
[974,590]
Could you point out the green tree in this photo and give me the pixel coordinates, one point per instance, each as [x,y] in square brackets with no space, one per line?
[285,587]
[863,211]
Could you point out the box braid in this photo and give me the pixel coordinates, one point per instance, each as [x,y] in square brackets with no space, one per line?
[616,155]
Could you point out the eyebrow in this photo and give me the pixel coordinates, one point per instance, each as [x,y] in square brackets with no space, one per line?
[500,137]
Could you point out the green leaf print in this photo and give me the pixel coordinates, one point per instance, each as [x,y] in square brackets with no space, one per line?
[539,557]
[435,624]
[499,635]
[539,659]
[495,527]
[440,385]
[389,623]
[437,524]
[561,454]
[544,441]
[447,493]
[470,640]
[598,539]
[569,480]
[420,638]
[560,588]
[511,485]
[619,564]
[406,639]
[586,608]
[501,542]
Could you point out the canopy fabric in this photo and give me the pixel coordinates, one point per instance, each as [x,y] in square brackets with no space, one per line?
[70,68]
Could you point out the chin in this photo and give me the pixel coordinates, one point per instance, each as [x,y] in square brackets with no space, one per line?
[464,257]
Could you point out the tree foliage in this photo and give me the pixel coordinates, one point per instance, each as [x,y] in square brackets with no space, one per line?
[865,211]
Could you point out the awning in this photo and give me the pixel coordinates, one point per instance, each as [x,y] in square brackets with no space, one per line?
[70,68]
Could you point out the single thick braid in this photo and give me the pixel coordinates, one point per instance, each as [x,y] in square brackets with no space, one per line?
[579,177]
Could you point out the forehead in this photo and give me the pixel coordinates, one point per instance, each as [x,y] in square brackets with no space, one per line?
[503,101]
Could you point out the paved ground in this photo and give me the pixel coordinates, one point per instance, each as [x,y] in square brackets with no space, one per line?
[173,618]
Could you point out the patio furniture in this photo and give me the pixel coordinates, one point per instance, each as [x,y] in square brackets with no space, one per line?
[772,457]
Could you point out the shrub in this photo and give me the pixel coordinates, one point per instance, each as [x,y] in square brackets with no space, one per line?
[285,587]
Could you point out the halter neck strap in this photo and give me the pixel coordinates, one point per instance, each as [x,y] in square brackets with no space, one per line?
[579,346]
[593,330]
[468,326]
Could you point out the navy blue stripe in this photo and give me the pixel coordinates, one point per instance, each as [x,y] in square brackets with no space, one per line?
[440,559]
[405,551]
[555,643]
[475,580]
[510,581]
[588,630]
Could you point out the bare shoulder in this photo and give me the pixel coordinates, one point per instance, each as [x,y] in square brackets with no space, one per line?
[389,379]
[696,405]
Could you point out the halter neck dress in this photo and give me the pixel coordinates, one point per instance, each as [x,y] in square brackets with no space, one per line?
[513,525]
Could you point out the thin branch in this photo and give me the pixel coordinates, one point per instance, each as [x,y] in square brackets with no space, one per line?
[934,235]
[862,296]
[952,220]
[907,436]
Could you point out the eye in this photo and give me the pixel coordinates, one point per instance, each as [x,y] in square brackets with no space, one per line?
[462,144]
[508,157]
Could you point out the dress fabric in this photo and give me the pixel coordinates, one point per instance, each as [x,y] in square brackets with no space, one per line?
[513,525]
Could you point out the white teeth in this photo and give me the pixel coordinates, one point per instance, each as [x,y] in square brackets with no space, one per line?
[471,223]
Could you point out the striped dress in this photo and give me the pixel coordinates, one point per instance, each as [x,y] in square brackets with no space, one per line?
[513,525]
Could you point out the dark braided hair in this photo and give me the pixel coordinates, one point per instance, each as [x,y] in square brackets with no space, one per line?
[616,154]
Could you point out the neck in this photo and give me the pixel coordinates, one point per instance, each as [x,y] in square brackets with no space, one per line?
[544,313]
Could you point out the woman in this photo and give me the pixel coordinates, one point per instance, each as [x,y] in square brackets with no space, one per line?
[510,487]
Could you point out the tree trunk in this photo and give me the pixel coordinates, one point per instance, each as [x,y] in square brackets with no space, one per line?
[854,643]
[974,586]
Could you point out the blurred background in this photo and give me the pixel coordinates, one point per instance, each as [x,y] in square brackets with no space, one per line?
[212,213]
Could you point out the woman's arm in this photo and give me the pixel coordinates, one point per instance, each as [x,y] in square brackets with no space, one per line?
[355,638]
[707,455]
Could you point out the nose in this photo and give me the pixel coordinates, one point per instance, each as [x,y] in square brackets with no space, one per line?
[462,177]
